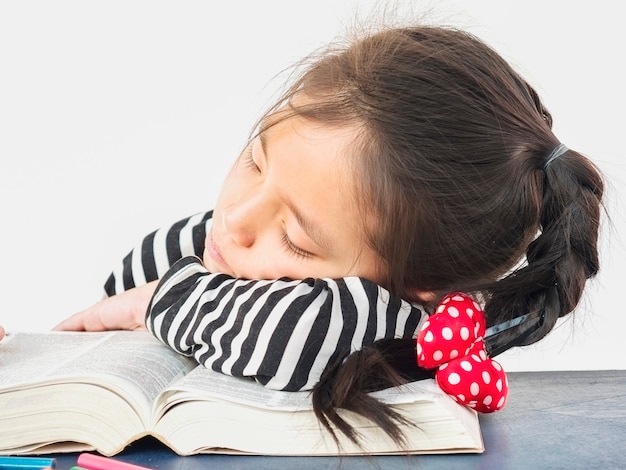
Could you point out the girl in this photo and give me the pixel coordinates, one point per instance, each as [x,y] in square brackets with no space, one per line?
[402,166]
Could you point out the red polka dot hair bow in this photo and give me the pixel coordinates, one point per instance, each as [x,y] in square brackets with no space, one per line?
[452,340]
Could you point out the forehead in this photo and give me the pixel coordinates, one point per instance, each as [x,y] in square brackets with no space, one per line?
[315,168]
[315,155]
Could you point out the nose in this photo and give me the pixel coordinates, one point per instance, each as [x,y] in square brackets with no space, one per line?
[244,219]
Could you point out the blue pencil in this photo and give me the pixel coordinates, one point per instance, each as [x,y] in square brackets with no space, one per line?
[26,463]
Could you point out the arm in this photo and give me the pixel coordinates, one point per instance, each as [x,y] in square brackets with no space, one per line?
[130,286]
[282,333]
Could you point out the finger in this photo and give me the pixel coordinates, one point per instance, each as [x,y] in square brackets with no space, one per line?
[74,323]
[90,319]
[110,314]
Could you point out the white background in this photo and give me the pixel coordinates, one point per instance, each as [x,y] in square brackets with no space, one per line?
[117,117]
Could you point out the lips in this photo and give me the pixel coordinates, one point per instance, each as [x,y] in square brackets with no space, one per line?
[214,252]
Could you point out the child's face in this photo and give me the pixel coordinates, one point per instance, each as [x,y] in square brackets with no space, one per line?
[288,208]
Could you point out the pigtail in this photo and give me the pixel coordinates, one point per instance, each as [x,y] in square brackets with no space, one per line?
[346,384]
[560,259]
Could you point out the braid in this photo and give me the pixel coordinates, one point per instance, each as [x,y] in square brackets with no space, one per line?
[570,221]
[561,258]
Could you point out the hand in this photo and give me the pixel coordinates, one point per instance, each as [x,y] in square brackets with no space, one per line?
[125,311]
[1,333]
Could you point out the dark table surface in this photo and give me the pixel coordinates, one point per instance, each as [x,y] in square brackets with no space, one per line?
[557,420]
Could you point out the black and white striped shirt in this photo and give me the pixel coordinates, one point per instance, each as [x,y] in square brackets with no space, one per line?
[281,332]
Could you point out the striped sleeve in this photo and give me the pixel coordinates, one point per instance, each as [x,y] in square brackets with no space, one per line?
[156,253]
[282,333]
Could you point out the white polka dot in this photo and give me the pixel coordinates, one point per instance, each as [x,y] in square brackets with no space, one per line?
[443,366]
[499,385]
[453,312]
[476,329]
[437,355]
[500,403]
[474,388]
[447,333]
[496,366]
[470,312]
[487,401]
[464,333]
[466,365]
[454,354]
[454,378]
[486,377]
[425,325]
[428,337]
[419,349]
[483,355]
[461,397]
[458,298]
[476,358]
[440,308]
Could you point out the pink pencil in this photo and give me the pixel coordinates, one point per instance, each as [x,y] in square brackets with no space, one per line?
[97,462]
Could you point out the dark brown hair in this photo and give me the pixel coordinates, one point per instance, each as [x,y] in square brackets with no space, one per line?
[451,158]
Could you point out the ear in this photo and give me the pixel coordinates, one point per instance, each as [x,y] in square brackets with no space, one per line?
[424,296]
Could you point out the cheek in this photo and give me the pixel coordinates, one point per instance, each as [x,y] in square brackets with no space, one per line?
[259,265]
[285,265]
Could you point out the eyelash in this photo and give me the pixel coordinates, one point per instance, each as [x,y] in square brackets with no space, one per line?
[293,249]
[249,161]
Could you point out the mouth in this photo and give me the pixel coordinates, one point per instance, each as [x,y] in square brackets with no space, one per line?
[214,252]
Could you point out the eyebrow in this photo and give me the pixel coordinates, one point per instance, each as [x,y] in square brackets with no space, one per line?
[311,229]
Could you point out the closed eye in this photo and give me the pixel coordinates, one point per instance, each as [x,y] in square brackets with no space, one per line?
[293,249]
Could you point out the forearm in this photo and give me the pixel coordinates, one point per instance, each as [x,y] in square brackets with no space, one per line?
[281,332]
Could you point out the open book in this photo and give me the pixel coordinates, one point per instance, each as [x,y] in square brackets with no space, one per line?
[69,392]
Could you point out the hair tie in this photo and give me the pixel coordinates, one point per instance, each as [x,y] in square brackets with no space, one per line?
[452,340]
[556,153]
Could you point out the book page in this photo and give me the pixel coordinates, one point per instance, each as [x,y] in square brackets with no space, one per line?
[125,358]
[203,383]
[206,384]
